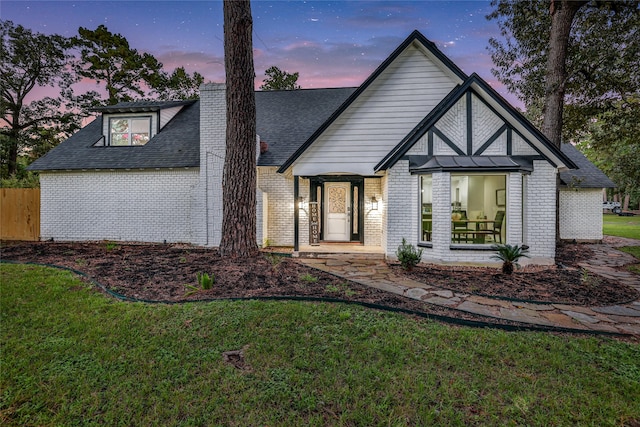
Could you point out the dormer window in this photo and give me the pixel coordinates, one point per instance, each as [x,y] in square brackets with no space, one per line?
[129,131]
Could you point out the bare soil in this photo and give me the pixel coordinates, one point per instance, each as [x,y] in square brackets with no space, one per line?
[163,273]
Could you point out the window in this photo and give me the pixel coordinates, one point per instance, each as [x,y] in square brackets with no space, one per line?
[426,214]
[129,131]
[478,208]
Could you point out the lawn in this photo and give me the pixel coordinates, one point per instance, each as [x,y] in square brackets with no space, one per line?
[71,356]
[621,226]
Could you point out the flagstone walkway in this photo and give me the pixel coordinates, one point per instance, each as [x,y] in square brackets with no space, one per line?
[622,318]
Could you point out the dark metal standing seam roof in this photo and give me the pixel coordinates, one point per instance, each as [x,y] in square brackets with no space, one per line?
[418,164]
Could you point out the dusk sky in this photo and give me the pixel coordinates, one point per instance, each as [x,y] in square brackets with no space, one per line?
[331,44]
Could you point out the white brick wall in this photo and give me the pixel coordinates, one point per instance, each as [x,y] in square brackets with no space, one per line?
[402,216]
[581,214]
[401,206]
[513,225]
[373,218]
[207,201]
[540,211]
[280,205]
[144,206]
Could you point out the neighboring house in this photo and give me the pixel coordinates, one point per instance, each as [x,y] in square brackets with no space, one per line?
[419,151]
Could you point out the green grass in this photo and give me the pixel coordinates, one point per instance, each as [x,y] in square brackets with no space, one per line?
[621,226]
[71,356]
[635,251]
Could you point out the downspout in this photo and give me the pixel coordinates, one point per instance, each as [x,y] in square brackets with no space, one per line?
[206,196]
[296,214]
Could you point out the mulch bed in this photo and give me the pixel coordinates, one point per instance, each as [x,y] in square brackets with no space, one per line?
[162,273]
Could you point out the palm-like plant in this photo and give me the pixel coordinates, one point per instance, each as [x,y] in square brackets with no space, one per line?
[509,255]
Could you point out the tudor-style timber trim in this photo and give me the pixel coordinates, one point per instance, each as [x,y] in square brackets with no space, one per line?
[413,37]
[428,123]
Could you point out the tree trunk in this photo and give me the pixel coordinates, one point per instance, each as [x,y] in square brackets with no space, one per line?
[562,14]
[239,175]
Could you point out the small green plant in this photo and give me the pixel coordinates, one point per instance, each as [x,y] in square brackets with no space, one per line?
[588,279]
[408,255]
[110,246]
[509,255]
[204,282]
[274,259]
[308,278]
[342,288]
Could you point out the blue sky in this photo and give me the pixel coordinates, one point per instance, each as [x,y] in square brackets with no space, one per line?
[330,43]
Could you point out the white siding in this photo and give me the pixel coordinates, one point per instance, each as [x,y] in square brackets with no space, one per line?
[581,214]
[144,206]
[167,114]
[378,120]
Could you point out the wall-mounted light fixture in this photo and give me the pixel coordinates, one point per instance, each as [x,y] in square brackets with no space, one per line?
[374,203]
[301,201]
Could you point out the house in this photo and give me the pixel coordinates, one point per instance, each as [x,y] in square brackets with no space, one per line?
[420,151]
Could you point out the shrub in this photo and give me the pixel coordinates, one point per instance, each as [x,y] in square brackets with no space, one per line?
[204,280]
[509,255]
[408,255]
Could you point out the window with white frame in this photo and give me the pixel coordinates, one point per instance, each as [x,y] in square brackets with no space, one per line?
[426,211]
[129,131]
[478,208]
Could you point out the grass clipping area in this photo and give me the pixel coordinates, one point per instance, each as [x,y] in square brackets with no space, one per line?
[72,356]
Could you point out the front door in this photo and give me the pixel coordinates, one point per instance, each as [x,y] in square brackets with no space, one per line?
[337,211]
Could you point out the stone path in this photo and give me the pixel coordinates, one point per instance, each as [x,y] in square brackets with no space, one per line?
[623,319]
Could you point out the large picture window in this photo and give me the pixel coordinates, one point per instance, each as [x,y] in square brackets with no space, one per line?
[129,131]
[478,208]
[426,213]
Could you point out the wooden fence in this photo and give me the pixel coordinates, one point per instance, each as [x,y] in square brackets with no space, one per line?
[19,213]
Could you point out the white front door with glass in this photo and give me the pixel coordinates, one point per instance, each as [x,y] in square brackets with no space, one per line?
[337,212]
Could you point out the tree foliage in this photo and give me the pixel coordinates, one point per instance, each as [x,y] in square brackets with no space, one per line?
[29,60]
[239,175]
[280,80]
[601,86]
[613,145]
[602,58]
[107,57]
[179,85]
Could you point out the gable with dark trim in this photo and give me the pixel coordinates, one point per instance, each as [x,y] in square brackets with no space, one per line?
[414,36]
[428,126]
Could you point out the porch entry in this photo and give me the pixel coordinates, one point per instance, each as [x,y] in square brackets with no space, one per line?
[340,200]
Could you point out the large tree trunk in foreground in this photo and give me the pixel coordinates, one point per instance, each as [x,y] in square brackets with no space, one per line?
[239,180]
[562,14]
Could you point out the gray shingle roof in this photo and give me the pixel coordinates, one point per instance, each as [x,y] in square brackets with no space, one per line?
[286,119]
[587,175]
[137,106]
[176,145]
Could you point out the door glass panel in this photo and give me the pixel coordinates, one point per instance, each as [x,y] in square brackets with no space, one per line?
[355,211]
[337,196]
